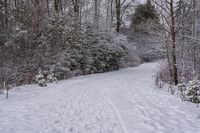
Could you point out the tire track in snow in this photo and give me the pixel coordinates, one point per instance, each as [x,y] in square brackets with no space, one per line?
[121,122]
[82,114]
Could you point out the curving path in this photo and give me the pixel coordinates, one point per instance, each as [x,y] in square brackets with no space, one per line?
[124,101]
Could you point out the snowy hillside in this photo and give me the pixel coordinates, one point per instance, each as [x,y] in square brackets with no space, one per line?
[124,101]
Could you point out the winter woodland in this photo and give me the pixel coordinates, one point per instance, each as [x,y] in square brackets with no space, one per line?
[98,59]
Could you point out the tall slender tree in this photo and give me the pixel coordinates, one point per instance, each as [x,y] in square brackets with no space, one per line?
[6,13]
[169,15]
[118,14]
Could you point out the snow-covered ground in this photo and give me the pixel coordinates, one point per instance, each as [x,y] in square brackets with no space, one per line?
[124,101]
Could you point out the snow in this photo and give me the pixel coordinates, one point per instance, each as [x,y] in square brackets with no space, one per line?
[125,101]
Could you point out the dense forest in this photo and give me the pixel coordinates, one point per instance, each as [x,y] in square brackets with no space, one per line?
[64,38]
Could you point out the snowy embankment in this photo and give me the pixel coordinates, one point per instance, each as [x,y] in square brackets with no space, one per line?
[124,101]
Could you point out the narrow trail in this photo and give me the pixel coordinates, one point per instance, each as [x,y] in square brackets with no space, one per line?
[124,101]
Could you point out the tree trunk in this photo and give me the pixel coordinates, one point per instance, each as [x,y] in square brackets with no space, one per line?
[37,18]
[173,37]
[76,5]
[118,14]
[96,13]
[111,10]
[47,4]
[166,44]
[6,14]
[16,3]
[194,35]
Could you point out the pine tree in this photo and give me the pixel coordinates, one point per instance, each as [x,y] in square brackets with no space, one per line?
[144,12]
[182,87]
[51,75]
[193,91]
[40,78]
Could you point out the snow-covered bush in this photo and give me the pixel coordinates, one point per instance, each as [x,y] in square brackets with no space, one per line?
[50,78]
[106,53]
[187,91]
[192,93]
[182,87]
[91,52]
[62,71]
[146,34]
[130,55]
[57,43]
[163,73]
[40,78]
[46,76]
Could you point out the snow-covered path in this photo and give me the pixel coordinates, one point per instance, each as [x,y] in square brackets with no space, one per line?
[124,101]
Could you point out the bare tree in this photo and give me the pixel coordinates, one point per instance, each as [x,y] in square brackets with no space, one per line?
[96,16]
[176,17]
[193,36]
[118,14]
[76,7]
[111,10]
[120,7]
[6,13]
[47,5]
[168,16]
